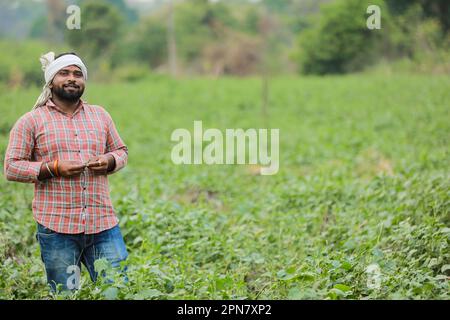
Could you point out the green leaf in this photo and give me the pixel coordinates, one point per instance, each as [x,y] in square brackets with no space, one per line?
[111,293]
[346,265]
[148,294]
[432,262]
[445,267]
[377,253]
[307,276]
[101,265]
[137,240]
[295,294]
[281,274]
[284,275]
[336,264]
[342,287]
[335,293]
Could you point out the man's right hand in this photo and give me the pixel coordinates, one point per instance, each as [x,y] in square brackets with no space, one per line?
[68,168]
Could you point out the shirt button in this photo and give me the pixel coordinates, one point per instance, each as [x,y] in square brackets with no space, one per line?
[79,151]
[85,207]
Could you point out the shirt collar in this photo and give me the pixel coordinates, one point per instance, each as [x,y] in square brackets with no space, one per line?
[80,106]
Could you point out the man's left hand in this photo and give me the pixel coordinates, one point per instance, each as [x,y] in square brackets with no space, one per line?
[99,165]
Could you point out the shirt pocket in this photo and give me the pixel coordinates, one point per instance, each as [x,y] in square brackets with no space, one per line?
[96,141]
[51,141]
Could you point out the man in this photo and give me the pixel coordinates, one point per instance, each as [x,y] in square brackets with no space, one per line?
[67,147]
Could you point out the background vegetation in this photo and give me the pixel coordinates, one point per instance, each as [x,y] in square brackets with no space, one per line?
[364,132]
[234,37]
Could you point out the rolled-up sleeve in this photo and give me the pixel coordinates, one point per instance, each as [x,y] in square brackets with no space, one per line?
[18,165]
[115,146]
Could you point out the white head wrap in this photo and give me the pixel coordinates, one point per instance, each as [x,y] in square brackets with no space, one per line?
[50,66]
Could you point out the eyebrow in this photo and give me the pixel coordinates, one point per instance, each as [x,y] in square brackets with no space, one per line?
[67,70]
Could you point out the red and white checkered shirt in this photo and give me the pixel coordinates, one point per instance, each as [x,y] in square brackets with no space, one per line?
[74,204]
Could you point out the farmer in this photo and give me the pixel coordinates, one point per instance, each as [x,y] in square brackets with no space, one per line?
[67,148]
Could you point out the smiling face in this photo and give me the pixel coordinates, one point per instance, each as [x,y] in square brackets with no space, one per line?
[68,84]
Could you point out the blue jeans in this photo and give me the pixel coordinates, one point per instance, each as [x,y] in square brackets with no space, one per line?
[63,254]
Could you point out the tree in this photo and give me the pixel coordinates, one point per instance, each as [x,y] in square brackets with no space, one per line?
[100,27]
[340,41]
[130,14]
[439,9]
[171,41]
[55,19]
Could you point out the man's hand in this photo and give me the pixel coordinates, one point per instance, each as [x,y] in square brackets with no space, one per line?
[99,165]
[67,168]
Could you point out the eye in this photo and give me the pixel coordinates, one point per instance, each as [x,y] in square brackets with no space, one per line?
[63,72]
[78,74]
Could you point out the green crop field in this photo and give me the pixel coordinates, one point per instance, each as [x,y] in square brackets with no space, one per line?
[363,181]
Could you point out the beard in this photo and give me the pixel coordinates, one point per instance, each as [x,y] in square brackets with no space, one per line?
[70,96]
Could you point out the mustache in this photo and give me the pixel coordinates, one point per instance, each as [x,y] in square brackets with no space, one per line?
[74,85]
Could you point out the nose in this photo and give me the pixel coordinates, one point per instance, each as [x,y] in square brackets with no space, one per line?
[71,76]
[71,81]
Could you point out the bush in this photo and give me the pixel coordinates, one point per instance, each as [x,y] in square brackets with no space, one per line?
[340,41]
[99,32]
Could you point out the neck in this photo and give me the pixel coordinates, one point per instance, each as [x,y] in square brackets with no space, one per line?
[66,106]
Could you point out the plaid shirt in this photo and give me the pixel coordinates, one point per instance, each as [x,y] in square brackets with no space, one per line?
[74,204]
